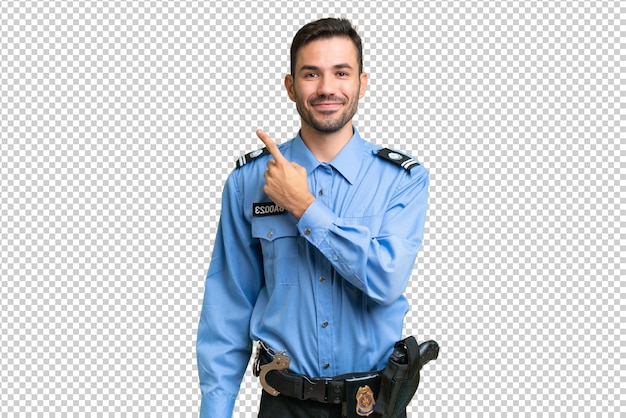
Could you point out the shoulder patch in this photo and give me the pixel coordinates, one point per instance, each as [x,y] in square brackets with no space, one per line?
[245,159]
[395,157]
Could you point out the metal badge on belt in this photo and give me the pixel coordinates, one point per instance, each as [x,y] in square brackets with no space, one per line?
[365,401]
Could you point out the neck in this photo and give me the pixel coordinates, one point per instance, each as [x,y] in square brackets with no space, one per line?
[325,146]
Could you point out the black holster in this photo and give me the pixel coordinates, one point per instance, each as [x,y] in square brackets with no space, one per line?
[401,377]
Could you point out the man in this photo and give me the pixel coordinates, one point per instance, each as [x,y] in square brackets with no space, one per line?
[315,246]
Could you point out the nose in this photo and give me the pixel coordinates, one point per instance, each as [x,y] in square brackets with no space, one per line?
[326,86]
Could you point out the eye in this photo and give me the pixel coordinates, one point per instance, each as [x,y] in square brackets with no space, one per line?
[310,75]
[342,74]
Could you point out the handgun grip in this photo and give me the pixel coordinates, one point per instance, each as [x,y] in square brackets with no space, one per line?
[429,350]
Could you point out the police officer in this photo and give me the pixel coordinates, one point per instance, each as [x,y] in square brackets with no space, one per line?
[315,246]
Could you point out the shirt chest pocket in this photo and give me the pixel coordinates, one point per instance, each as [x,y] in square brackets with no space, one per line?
[279,238]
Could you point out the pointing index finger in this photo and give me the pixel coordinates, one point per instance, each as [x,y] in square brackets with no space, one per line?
[271,145]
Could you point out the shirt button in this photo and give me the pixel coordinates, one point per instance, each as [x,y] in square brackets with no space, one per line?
[323,279]
[324,324]
[326,365]
[270,234]
[307,231]
[321,192]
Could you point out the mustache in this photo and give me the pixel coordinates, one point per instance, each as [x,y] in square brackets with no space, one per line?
[327,99]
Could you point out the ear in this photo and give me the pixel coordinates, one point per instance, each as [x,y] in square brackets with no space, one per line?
[290,87]
[363,79]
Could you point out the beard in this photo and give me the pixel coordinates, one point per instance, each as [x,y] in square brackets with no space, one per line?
[332,121]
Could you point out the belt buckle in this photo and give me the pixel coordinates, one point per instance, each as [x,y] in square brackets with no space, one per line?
[315,389]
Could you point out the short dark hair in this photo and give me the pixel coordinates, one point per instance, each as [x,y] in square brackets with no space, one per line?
[324,29]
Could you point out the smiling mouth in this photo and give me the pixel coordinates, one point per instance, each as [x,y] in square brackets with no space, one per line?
[328,105]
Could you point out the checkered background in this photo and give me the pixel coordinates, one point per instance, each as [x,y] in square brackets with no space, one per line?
[121,120]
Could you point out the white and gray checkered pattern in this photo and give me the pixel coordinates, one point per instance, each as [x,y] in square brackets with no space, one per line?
[119,122]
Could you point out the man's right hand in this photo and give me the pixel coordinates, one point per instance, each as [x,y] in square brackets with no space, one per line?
[286,183]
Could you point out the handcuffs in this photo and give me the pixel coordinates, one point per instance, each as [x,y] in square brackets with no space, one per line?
[279,362]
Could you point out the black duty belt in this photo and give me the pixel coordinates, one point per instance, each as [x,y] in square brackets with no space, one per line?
[382,393]
[333,390]
[325,390]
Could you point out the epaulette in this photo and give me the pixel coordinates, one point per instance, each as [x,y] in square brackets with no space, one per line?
[245,159]
[395,157]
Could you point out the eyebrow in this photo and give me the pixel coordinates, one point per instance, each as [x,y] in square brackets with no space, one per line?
[335,67]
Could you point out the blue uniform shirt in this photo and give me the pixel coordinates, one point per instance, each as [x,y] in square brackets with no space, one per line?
[327,289]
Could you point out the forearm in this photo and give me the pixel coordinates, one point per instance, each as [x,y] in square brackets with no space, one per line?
[223,345]
[378,256]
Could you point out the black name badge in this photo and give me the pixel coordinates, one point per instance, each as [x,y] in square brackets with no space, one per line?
[267,209]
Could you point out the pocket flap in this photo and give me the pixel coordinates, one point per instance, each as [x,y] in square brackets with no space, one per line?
[271,228]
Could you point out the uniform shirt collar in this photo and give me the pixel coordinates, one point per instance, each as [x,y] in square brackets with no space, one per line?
[347,162]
